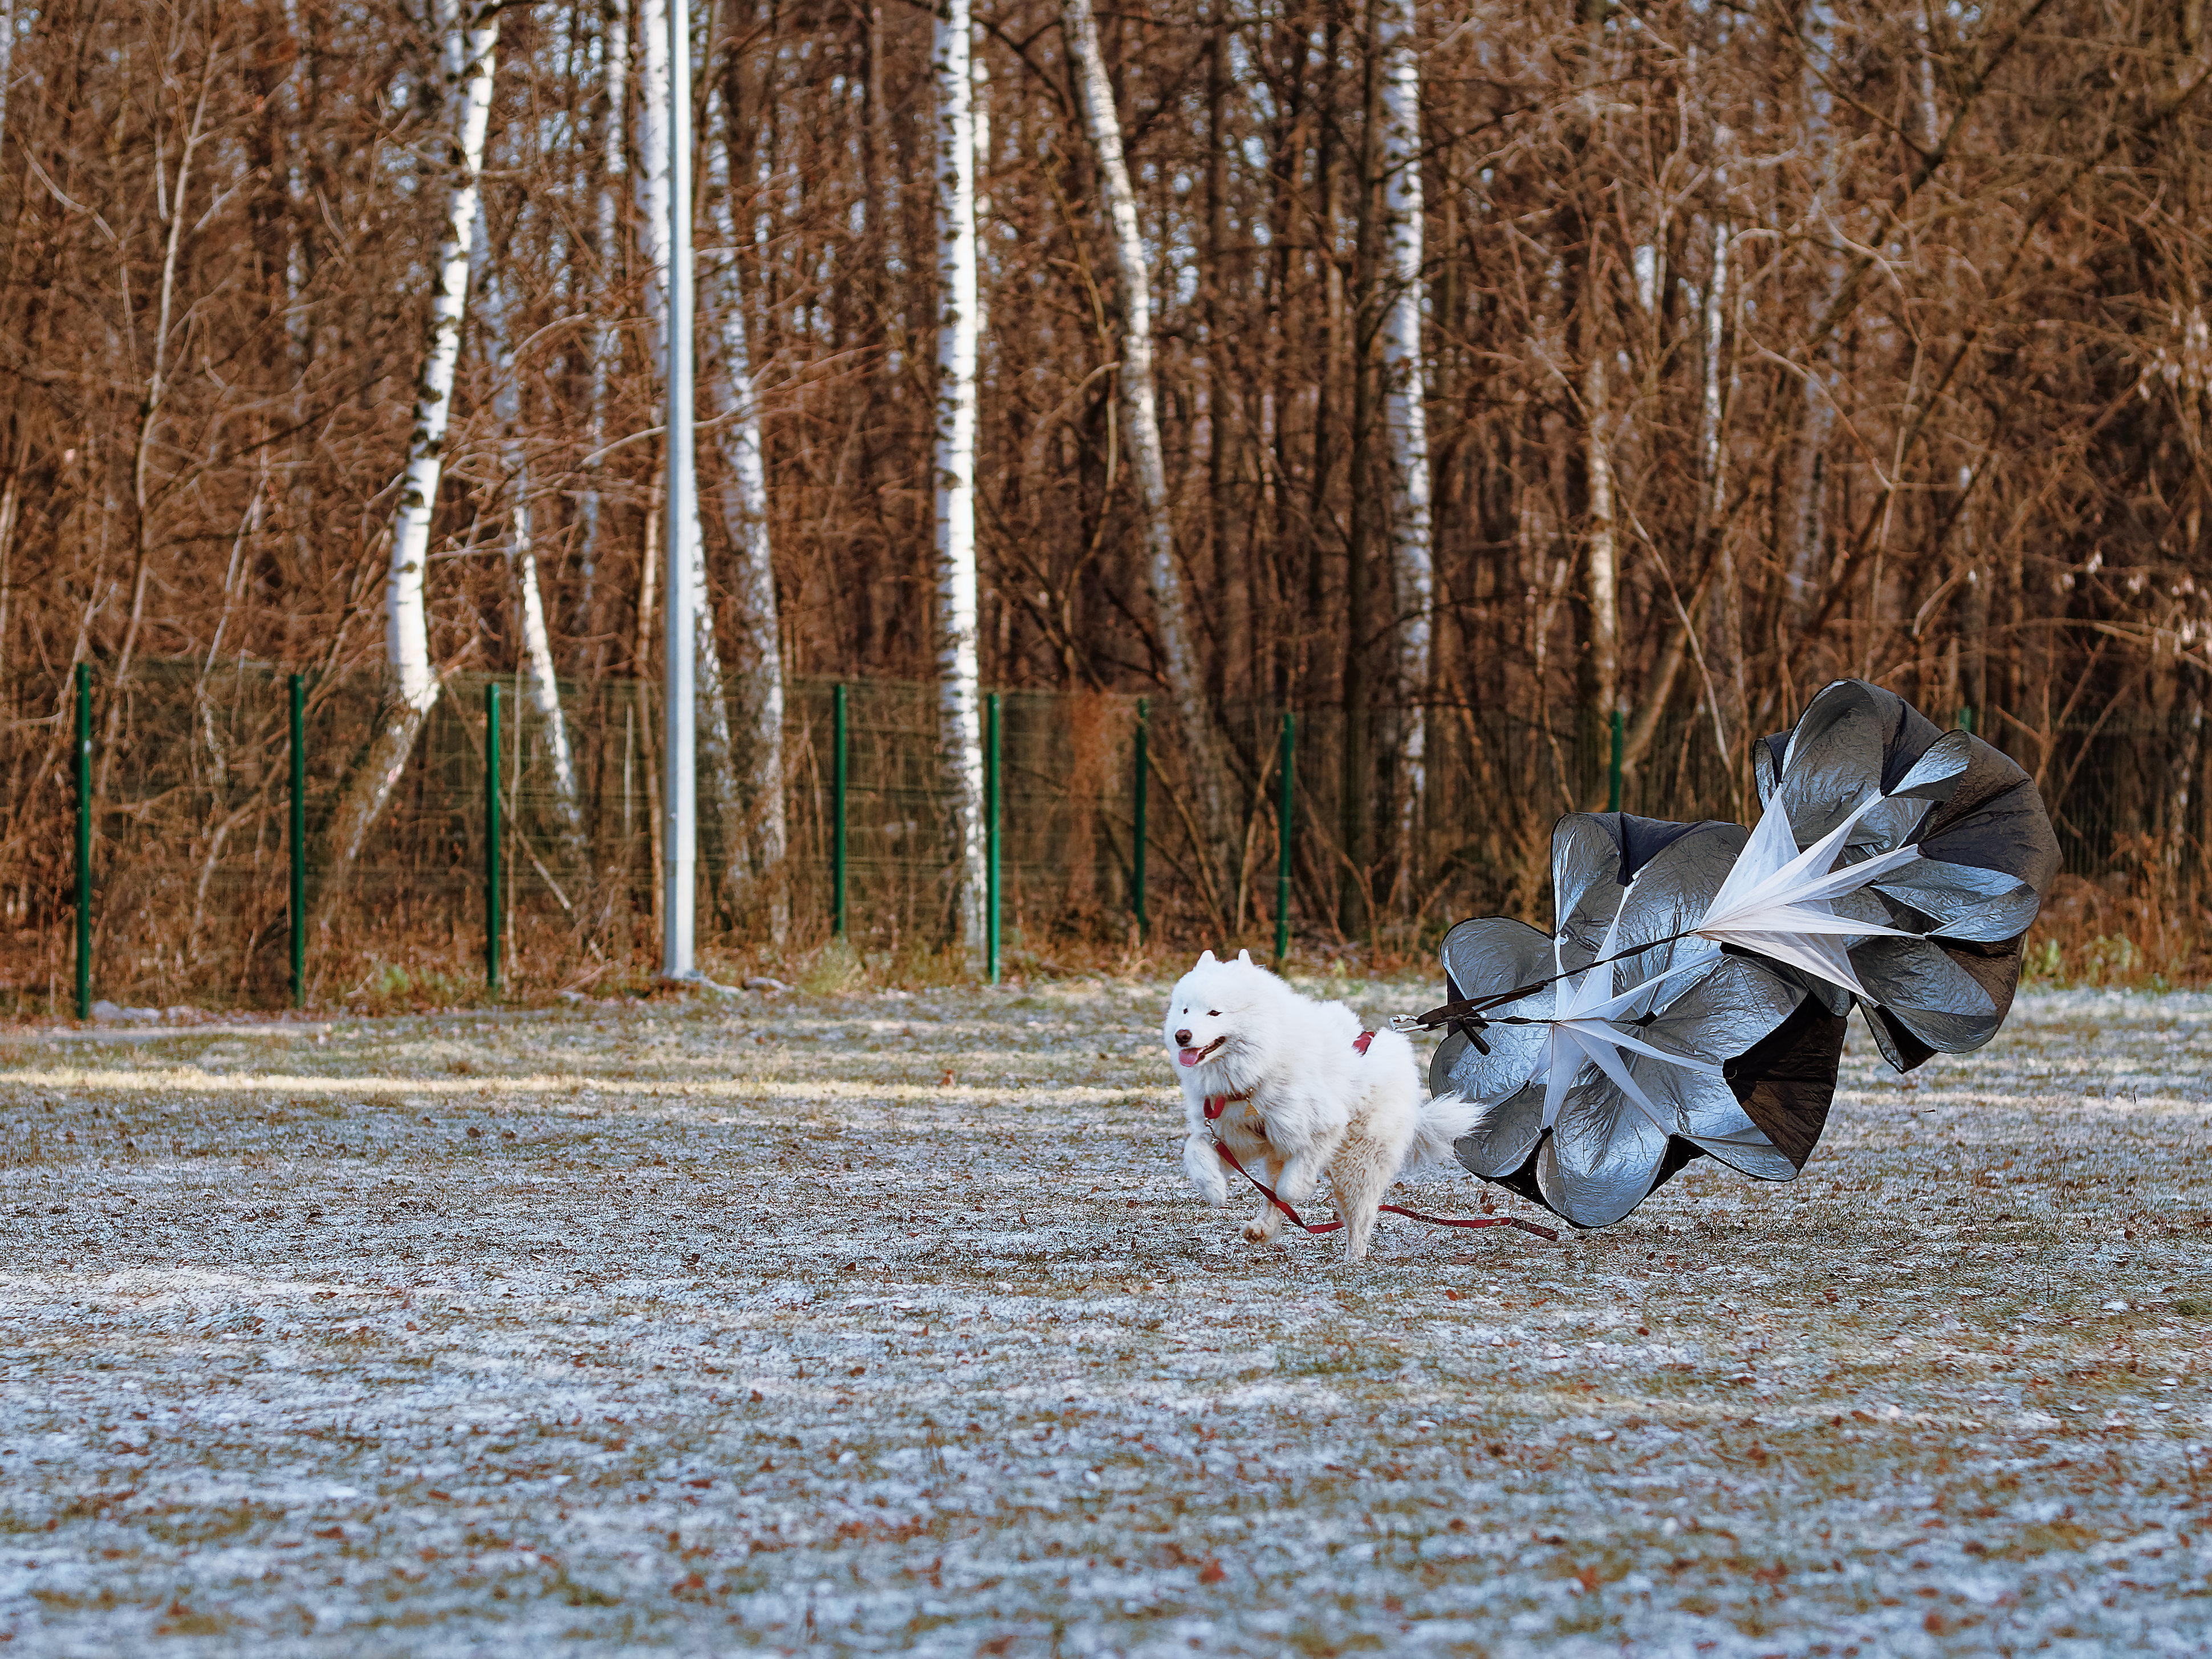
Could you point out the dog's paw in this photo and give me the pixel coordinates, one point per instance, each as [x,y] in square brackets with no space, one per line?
[1258,1232]
[1203,1166]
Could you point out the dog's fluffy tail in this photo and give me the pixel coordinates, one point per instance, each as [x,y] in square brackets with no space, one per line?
[1444,1119]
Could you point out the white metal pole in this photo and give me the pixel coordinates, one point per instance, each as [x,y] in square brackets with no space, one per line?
[679,842]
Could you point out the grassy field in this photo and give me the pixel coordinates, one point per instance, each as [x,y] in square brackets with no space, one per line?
[887,1322]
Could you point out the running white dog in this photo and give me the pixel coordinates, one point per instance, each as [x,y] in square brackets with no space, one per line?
[1286,1081]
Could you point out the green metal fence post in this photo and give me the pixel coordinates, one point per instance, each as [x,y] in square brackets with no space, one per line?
[1144,778]
[993,790]
[492,918]
[1965,721]
[1612,765]
[837,739]
[84,841]
[1288,767]
[299,841]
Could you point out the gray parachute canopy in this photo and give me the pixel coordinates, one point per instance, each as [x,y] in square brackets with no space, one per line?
[1690,1002]
[1635,1045]
[1987,857]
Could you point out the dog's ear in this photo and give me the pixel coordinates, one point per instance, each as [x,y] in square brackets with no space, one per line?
[1245,956]
[1205,957]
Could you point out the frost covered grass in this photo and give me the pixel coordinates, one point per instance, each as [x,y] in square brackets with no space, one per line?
[887,1322]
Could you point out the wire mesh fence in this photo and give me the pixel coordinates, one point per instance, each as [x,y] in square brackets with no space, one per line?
[190,768]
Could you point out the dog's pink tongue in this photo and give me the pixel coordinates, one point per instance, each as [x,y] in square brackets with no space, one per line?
[1188,1056]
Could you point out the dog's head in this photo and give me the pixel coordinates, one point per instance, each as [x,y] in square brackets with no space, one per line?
[1213,1008]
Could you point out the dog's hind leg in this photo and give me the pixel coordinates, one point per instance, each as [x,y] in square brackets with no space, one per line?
[1358,1179]
[1298,1174]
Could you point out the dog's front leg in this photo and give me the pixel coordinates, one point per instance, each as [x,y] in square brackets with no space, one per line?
[1203,1166]
[1268,1222]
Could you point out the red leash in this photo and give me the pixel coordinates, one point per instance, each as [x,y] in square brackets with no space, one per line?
[1297,1220]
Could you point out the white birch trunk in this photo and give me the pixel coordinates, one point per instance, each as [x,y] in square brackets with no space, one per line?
[1598,417]
[1718,388]
[541,688]
[1803,528]
[1931,124]
[1604,542]
[1597,412]
[298,325]
[651,178]
[469,63]
[744,517]
[1406,418]
[1715,318]
[717,775]
[960,718]
[471,40]
[607,346]
[2174,856]
[1728,699]
[1186,680]
[540,684]
[7,57]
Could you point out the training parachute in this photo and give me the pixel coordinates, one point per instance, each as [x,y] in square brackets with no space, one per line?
[1690,1000]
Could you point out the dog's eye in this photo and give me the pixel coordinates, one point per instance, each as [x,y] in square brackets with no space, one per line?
[1213,1013]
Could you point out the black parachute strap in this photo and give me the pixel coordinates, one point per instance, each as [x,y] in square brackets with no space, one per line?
[1473,1005]
[1466,1015]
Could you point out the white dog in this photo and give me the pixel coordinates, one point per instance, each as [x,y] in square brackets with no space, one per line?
[1285,1081]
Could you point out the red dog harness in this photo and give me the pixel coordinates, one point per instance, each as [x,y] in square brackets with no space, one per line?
[1217,1104]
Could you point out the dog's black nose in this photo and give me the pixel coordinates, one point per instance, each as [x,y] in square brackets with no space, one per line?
[1182,1039]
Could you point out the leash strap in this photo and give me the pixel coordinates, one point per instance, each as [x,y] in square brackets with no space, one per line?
[1298,1221]
[1468,1015]
[1473,1221]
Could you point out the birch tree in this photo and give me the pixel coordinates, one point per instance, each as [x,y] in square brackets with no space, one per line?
[1723,664]
[1184,669]
[717,772]
[541,685]
[759,678]
[1803,532]
[606,345]
[1597,414]
[1406,416]
[7,57]
[472,39]
[958,665]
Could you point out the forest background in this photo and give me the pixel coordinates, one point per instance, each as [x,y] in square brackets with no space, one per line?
[1519,373]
